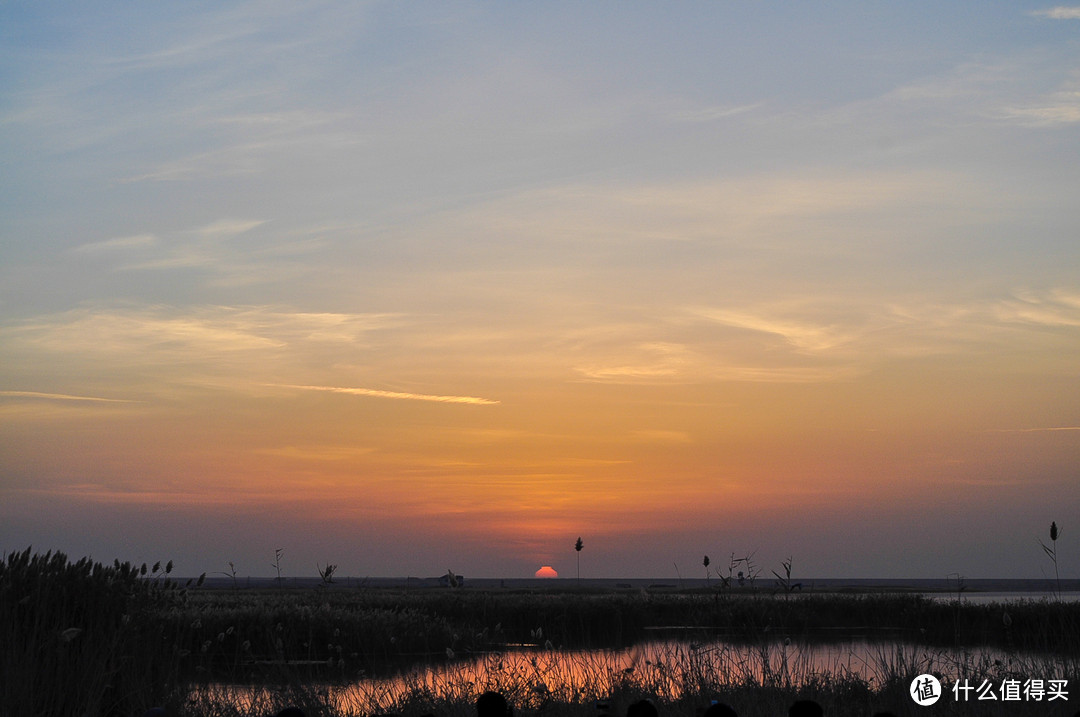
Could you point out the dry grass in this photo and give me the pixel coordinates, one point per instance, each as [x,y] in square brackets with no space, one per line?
[681,678]
[86,639]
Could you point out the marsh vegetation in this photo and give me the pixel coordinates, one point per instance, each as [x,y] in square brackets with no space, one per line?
[84,638]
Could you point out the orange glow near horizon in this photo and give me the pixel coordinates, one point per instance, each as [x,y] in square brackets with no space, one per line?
[453,314]
[517,478]
[547,571]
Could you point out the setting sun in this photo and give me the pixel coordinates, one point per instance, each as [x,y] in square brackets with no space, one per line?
[677,281]
[547,572]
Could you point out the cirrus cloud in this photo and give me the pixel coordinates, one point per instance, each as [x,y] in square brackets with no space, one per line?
[60,397]
[1061,12]
[396,394]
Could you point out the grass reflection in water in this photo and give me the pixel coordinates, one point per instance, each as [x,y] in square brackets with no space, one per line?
[855,678]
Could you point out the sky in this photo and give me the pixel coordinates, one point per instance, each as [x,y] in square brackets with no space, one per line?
[411,287]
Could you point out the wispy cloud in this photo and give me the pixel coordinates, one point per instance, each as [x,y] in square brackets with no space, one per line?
[655,435]
[749,211]
[1061,12]
[700,360]
[229,161]
[804,335]
[146,332]
[138,241]
[1051,429]
[711,114]
[396,394]
[1058,308]
[204,246]
[1056,109]
[220,346]
[61,397]
[657,361]
[615,373]
[229,227]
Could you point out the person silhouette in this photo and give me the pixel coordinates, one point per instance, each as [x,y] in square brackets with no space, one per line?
[493,704]
[806,708]
[290,712]
[719,709]
[642,708]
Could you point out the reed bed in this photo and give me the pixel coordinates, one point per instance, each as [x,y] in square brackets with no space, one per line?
[375,630]
[82,638]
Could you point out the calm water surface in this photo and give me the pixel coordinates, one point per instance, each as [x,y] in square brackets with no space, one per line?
[670,667]
[666,669]
[983,598]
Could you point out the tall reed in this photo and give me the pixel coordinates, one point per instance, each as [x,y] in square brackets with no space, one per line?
[77,638]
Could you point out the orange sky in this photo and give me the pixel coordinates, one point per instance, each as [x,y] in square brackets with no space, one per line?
[698,283]
[899,459]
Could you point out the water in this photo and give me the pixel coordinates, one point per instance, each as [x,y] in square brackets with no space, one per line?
[667,669]
[1004,596]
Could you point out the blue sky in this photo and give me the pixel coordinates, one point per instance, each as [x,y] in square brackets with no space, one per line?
[610,262]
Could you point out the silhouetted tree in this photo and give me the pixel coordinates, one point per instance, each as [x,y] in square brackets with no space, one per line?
[277,563]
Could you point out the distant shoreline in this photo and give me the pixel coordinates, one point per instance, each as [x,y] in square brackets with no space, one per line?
[1034,587]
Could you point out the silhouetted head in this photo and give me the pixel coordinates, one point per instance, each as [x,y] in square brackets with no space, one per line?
[492,704]
[719,709]
[642,708]
[806,708]
[290,712]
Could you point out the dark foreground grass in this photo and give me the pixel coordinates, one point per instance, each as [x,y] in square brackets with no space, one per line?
[89,639]
[83,638]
